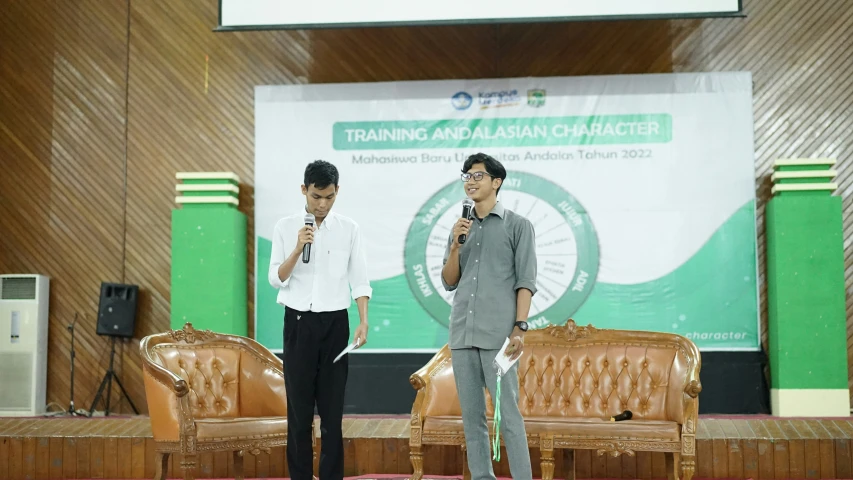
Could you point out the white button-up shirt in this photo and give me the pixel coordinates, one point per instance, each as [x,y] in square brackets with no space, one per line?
[338,263]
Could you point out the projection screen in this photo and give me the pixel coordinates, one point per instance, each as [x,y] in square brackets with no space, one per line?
[284,14]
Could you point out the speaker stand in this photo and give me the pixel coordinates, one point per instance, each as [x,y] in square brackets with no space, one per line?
[108,382]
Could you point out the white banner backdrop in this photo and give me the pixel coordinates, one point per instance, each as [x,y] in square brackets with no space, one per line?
[640,187]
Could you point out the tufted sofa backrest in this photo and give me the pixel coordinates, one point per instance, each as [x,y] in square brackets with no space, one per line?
[573,371]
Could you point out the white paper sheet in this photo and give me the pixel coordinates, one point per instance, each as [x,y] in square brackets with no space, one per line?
[502,361]
[350,347]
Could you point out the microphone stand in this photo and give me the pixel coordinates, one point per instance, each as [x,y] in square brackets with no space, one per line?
[71,410]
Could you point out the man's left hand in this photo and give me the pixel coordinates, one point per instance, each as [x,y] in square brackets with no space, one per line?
[360,335]
[516,345]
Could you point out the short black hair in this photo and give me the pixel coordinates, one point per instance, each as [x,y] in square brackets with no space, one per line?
[493,167]
[321,174]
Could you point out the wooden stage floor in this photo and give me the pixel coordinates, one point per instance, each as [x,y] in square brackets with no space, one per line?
[121,447]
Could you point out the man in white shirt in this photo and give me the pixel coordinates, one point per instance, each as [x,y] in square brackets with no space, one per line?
[316,295]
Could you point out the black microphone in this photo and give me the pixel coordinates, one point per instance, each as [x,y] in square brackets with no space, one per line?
[626,415]
[306,249]
[467,208]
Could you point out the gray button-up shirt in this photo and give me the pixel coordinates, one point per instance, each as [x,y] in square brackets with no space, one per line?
[498,258]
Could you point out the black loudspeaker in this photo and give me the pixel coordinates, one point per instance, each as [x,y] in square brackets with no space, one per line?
[117,310]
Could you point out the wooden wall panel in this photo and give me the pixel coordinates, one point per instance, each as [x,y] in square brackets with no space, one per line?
[104,169]
[87,184]
[63,196]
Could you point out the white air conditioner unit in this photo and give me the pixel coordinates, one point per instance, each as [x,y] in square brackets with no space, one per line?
[23,344]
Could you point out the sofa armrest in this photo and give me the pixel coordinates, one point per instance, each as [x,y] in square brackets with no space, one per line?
[422,377]
[690,403]
[168,379]
[683,387]
[175,383]
[421,381]
[693,388]
[692,385]
[158,372]
[436,388]
[262,390]
[163,405]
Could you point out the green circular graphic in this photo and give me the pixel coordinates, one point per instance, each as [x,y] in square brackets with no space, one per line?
[566,247]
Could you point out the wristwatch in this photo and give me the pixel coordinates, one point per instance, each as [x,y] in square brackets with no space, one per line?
[521,326]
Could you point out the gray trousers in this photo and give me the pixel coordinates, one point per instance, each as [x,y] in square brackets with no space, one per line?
[473,370]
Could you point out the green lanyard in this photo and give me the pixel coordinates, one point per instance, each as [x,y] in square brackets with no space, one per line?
[496,443]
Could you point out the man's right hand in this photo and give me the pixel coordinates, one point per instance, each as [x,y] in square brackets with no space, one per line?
[461,228]
[306,235]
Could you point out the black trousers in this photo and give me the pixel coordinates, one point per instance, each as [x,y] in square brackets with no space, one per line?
[311,342]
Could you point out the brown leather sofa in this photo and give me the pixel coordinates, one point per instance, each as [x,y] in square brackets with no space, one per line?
[571,381]
[210,392]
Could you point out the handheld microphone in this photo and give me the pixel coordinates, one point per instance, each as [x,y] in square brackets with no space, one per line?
[306,249]
[467,208]
[626,415]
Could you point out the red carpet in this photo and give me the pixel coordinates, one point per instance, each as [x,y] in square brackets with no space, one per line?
[403,477]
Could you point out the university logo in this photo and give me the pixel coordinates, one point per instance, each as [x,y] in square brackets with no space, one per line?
[461,101]
[536,97]
[568,252]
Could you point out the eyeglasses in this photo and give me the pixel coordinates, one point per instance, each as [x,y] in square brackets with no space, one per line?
[477,176]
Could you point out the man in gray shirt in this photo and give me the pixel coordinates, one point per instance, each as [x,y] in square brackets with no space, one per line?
[494,276]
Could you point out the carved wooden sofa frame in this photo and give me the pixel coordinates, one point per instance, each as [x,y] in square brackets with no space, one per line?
[176,420]
[436,395]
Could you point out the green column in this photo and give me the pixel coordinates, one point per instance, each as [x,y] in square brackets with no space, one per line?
[209,250]
[807,329]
